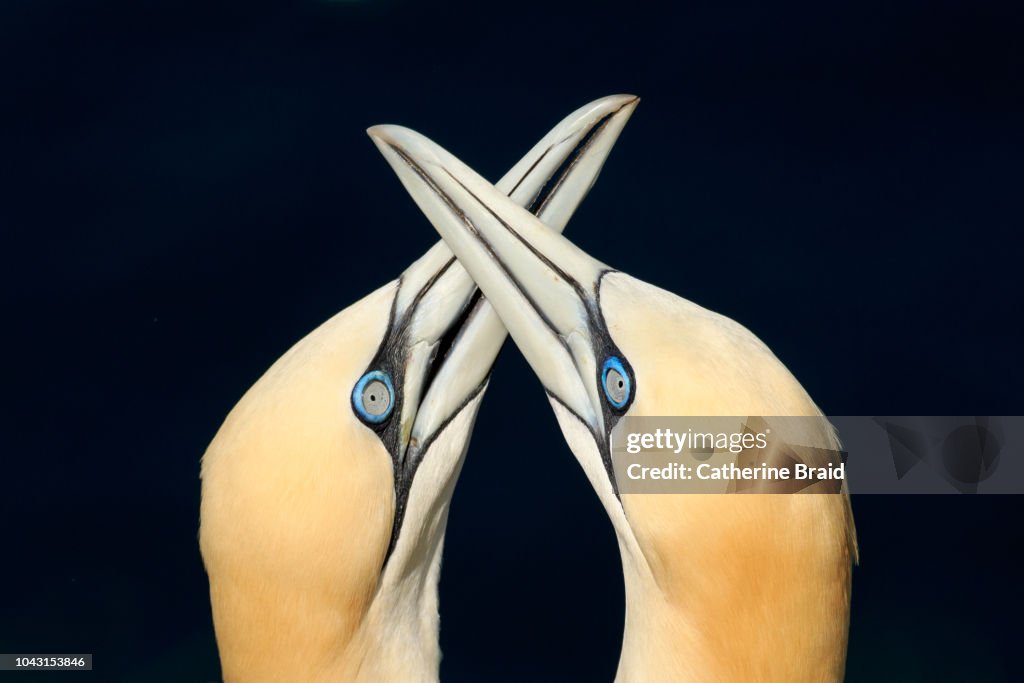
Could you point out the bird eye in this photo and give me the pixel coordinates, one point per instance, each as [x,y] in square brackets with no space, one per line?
[374,396]
[615,381]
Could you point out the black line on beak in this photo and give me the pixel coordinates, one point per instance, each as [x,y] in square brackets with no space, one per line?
[563,171]
[447,341]
[453,207]
[541,256]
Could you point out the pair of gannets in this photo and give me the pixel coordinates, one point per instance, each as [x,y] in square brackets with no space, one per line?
[325,493]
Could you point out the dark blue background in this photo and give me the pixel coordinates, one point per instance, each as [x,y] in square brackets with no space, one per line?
[188,189]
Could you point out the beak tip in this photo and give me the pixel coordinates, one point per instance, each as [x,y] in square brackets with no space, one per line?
[391,138]
[619,107]
[622,100]
[629,102]
[382,133]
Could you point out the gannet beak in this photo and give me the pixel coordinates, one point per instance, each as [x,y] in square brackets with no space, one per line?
[443,336]
[542,286]
[550,181]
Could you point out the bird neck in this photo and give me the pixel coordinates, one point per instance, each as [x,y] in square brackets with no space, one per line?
[660,641]
[398,639]
[763,595]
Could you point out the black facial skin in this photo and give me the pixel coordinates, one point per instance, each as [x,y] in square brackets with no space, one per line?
[391,357]
[604,347]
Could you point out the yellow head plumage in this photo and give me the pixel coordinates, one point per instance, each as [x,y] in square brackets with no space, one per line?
[295,537]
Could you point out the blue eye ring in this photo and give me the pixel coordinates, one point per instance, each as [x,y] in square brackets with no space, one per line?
[358,397]
[618,396]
